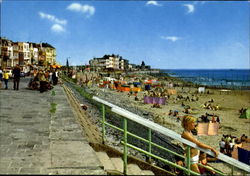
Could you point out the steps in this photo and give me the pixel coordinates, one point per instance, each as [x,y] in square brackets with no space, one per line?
[115,165]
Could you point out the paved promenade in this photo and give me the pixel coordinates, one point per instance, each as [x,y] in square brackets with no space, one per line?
[34,140]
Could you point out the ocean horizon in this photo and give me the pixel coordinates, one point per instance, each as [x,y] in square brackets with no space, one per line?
[229,78]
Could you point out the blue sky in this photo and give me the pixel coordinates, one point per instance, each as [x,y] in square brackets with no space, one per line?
[163,34]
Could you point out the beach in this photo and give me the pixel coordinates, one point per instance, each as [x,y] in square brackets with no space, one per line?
[229,101]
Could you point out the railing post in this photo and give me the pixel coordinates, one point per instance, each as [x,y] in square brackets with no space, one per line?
[103,124]
[188,159]
[232,170]
[125,148]
[149,143]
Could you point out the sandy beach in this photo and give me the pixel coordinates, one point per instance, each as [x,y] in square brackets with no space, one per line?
[229,101]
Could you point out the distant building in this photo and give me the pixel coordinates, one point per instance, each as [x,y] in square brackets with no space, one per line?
[50,54]
[108,62]
[26,54]
[6,53]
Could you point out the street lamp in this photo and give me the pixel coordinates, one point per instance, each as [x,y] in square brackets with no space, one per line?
[67,64]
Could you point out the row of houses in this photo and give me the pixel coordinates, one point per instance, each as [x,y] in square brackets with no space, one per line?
[114,62]
[26,54]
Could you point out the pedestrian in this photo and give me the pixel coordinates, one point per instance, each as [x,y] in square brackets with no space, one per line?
[1,77]
[50,77]
[16,77]
[55,77]
[231,148]
[222,145]
[6,78]
[218,119]
[42,81]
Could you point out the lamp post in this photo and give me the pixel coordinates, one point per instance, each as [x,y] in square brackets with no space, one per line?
[67,64]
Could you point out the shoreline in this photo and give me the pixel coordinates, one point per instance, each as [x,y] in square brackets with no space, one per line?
[230,103]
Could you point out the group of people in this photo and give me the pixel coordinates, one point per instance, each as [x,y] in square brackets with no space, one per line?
[228,142]
[205,118]
[5,76]
[187,98]
[210,105]
[43,80]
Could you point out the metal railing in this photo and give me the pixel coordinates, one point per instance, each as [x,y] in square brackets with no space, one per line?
[158,128]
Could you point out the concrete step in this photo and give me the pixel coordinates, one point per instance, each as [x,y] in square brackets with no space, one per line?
[105,160]
[134,169]
[115,165]
[118,163]
[146,172]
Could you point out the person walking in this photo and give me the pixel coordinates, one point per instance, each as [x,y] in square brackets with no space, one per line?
[16,77]
[6,78]
[55,77]
[42,80]
[1,77]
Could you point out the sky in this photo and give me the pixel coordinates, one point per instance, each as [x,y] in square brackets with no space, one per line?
[163,34]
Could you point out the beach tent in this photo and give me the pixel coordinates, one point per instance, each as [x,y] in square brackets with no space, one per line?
[245,114]
[171,91]
[201,89]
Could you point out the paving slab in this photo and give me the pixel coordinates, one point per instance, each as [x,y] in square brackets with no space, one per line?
[34,140]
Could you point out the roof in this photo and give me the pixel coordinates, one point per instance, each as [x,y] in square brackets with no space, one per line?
[47,45]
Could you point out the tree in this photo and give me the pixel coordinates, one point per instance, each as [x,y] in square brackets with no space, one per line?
[142,64]
[67,63]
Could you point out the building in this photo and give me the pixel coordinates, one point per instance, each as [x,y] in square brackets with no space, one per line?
[6,53]
[108,62]
[34,54]
[15,53]
[50,54]
[26,54]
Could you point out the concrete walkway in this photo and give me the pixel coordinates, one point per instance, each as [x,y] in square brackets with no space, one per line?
[34,140]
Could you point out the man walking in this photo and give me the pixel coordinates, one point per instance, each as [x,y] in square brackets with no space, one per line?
[16,79]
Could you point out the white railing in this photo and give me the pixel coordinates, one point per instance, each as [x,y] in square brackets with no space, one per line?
[156,127]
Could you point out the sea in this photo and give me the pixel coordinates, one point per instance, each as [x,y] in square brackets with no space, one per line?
[221,78]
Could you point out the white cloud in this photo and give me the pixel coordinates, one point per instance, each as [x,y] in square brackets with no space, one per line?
[153,3]
[85,9]
[52,18]
[171,38]
[57,28]
[190,8]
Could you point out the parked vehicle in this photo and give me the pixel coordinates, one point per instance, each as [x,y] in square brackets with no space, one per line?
[22,74]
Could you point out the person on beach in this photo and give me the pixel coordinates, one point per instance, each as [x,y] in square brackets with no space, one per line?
[188,123]
[203,159]
[222,145]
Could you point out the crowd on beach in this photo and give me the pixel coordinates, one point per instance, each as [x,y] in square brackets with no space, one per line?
[229,142]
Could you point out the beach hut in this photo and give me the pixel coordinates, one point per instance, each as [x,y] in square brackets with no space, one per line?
[245,114]
[201,89]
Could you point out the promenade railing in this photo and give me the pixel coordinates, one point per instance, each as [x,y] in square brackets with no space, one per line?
[127,115]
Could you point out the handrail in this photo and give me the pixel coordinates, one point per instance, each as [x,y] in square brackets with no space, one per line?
[156,127]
